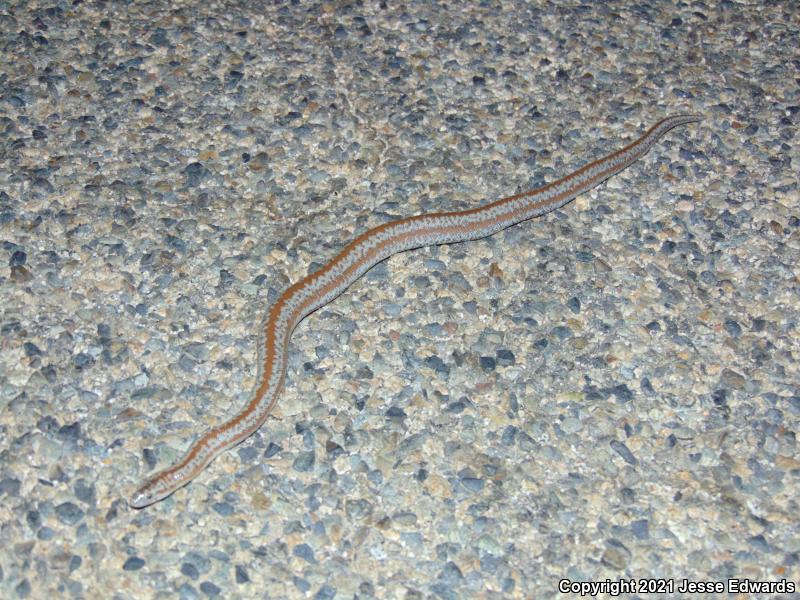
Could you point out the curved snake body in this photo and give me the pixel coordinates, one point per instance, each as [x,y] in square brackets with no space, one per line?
[360,255]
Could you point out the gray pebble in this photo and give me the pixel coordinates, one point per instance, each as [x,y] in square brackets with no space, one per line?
[134,563]
[624,452]
[68,513]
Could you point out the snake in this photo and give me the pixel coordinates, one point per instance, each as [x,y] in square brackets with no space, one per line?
[364,252]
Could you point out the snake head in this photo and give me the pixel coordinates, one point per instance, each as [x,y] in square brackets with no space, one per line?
[153,490]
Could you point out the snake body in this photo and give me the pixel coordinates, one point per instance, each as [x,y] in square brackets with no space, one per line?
[360,255]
